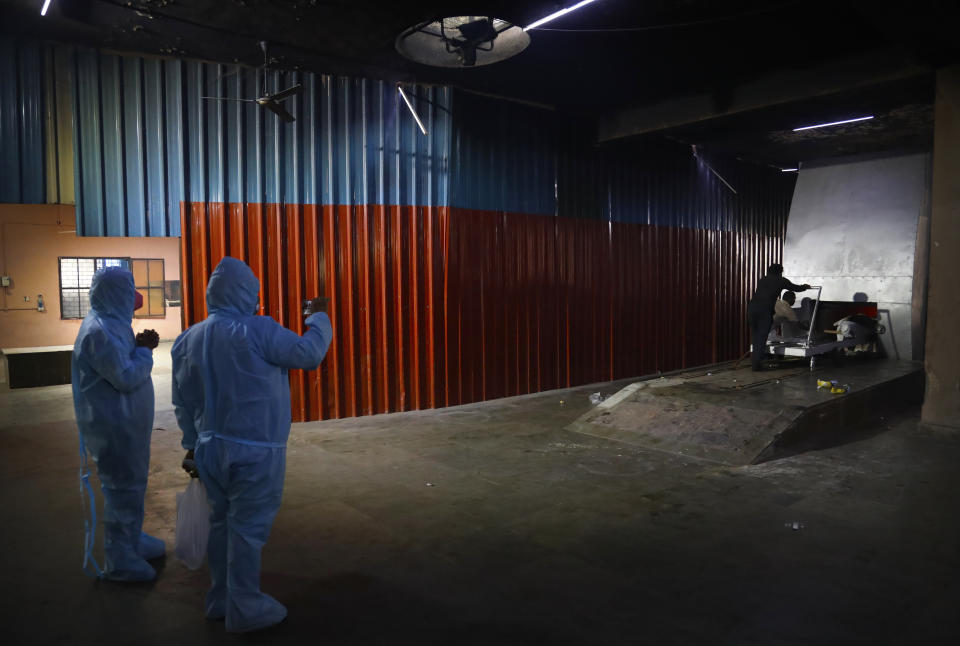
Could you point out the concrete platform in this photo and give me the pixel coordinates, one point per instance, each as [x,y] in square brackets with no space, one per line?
[734,416]
[490,524]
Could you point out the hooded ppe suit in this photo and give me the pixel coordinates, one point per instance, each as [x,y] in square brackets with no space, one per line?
[232,399]
[113,400]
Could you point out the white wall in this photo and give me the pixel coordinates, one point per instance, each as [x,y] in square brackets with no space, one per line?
[853,228]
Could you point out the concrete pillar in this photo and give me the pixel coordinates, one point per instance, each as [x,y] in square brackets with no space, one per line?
[942,403]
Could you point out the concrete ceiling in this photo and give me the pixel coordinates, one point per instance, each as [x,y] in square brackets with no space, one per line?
[734,75]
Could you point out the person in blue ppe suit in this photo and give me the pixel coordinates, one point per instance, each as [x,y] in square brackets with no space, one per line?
[231,394]
[113,401]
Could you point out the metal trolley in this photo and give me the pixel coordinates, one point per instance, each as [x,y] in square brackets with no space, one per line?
[809,348]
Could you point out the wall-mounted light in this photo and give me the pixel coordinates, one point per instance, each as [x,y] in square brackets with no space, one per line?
[46,5]
[832,123]
[789,170]
[556,15]
[412,111]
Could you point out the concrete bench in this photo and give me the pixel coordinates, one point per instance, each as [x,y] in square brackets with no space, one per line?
[40,366]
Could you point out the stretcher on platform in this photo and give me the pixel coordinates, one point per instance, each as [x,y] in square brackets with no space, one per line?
[822,337]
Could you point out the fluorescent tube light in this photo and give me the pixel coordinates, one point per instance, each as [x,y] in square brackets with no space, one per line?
[412,111]
[556,15]
[46,5]
[789,170]
[833,123]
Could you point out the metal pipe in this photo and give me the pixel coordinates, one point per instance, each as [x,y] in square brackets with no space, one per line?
[813,317]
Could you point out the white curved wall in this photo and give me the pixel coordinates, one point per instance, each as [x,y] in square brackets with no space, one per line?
[853,228]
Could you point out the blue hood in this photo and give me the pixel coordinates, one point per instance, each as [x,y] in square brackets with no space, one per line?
[112,293]
[233,289]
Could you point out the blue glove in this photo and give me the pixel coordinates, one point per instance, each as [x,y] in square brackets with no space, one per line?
[318,319]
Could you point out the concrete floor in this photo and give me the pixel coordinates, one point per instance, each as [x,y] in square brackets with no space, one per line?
[490,524]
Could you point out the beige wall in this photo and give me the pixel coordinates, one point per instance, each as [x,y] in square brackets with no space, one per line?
[32,237]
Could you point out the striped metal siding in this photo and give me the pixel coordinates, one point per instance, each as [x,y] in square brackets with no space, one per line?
[146,140]
[437,306]
[443,306]
[539,302]
[504,155]
[22,169]
[128,141]
[497,256]
[382,266]
[663,184]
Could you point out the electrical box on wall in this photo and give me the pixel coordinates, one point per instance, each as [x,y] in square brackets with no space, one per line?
[4,281]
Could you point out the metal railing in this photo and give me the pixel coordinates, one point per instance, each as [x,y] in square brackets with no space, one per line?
[813,317]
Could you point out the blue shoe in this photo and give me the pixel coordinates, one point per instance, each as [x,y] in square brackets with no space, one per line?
[150,548]
[269,613]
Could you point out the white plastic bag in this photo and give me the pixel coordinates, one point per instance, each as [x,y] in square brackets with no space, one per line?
[193,525]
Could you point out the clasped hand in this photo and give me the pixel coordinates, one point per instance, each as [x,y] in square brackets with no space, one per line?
[148,339]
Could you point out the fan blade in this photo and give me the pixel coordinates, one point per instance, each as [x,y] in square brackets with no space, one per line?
[290,91]
[223,76]
[227,98]
[278,110]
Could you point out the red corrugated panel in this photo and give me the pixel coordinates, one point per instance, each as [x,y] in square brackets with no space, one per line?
[294,295]
[217,232]
[255,249]
[277,250]
[381,303]
[437,306]
[186,312]
[314,381]
[199,265]
[238,245]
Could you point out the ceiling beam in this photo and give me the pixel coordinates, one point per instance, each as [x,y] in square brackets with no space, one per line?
[778,89]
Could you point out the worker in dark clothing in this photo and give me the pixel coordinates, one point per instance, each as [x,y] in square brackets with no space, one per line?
[760,310]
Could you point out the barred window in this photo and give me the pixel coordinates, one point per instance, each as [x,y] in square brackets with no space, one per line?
[75,277]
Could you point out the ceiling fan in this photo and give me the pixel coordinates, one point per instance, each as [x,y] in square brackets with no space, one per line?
[272,102]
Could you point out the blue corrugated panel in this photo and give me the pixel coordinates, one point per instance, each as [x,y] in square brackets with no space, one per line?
[272,150]
[87,144]
[112,134]
[154,148]
[134,146]
[216,162]
[504,156]
[663,184]
[176,173]
[194,135]
[147,139]
[22,172]
[128,145]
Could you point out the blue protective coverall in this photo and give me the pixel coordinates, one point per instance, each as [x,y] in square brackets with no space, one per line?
[113,401]
[231,393]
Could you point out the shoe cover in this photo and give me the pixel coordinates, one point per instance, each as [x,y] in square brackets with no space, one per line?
[150,547]
[122,517]
[131,569]
[260,612]
[216,604]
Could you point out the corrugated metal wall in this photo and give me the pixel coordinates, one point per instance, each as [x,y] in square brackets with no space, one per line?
[504,156]
[146,140]
[22,176]
[36,123]
[500,255]
[436,306]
